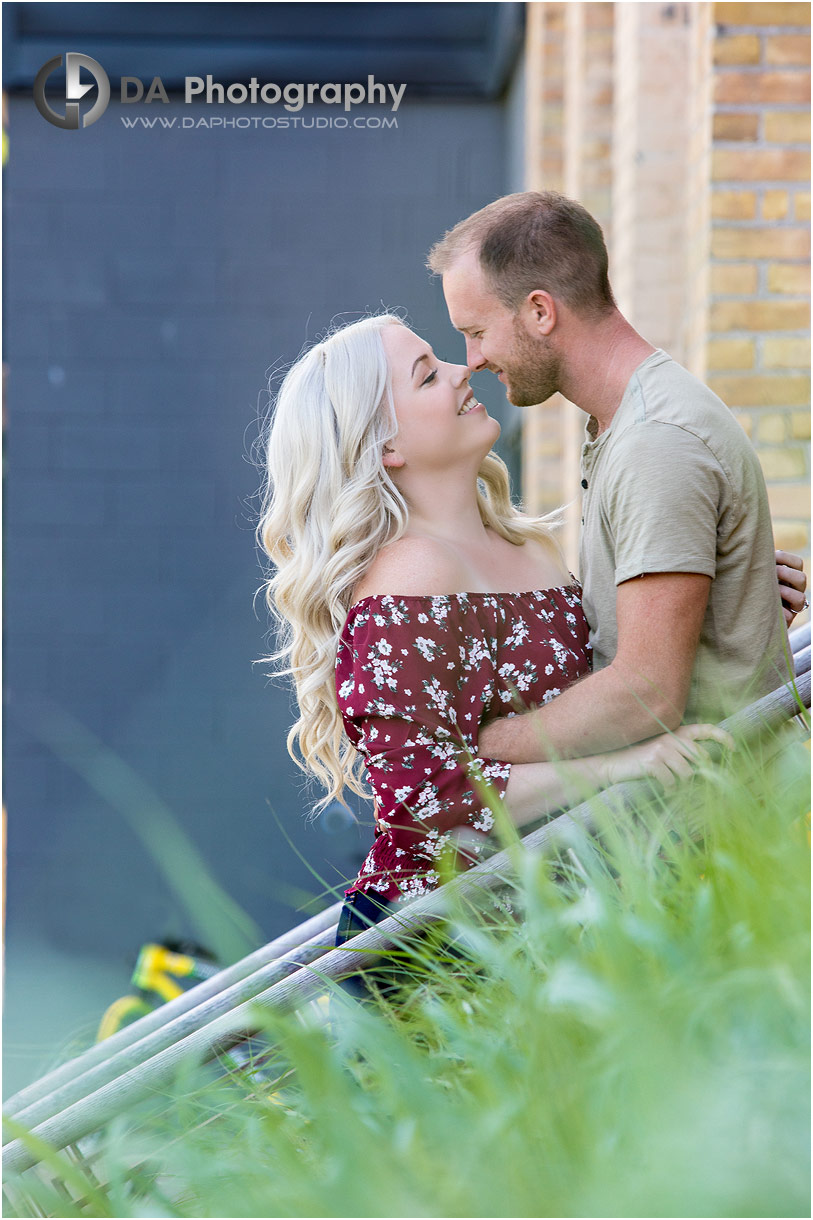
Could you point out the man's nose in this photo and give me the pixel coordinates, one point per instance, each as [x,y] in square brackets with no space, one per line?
[474,356]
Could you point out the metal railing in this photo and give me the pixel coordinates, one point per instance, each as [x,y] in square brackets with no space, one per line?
[81,1096]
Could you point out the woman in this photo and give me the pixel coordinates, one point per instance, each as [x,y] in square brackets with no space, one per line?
[418,603]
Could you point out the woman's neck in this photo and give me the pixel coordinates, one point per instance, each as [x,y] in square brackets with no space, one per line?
[446,509]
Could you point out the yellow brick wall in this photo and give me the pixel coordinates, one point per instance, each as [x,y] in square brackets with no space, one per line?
[685,129]
[757,351]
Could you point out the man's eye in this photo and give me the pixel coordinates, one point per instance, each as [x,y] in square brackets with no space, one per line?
[431,377]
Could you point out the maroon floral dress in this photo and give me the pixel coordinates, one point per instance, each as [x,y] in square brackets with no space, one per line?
[415,678]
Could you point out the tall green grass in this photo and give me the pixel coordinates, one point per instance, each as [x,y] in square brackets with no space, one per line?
[631,1038]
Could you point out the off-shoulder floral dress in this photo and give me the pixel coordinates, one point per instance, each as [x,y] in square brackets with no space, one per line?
[416,676]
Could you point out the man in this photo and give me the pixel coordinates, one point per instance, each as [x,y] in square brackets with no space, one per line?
[677,557]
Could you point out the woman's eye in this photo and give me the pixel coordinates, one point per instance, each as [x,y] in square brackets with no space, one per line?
[431,377]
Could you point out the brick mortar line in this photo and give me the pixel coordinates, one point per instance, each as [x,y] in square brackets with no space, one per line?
[786,71]
[766,261]
[750,334]
[763,338]
[768,299]
[794,370]
[760,342]
[796,185]
[759,263]
[722,29]
[742,333]
[761,146]
[754,69]
[759,226]
[740,222]
[750,107]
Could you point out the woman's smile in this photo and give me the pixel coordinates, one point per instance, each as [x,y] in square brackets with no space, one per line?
[470,403]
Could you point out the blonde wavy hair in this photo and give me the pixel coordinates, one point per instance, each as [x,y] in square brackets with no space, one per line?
[328,507]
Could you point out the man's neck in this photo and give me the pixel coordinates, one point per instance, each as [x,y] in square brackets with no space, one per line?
[601,359]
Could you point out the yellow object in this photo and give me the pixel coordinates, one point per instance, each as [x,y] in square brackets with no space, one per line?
[120,1013]
[155,967]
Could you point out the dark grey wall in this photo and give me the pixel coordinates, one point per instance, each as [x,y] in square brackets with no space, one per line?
[152,277]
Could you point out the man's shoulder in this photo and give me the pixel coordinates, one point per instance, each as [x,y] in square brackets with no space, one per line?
[665,400]
[678,433]
[668,393]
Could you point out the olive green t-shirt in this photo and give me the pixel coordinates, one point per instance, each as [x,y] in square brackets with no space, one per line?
[673,485]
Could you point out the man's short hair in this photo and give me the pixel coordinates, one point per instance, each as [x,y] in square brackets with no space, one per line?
[534,240]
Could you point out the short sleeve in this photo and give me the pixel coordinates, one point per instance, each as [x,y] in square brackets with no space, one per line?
[410,698]
[661,500]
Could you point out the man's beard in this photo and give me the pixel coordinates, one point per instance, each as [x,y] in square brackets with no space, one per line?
[533,374]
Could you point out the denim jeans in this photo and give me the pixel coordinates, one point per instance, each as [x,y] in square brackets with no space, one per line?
[359,913]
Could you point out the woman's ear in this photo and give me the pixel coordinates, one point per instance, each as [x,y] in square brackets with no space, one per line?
[392,458]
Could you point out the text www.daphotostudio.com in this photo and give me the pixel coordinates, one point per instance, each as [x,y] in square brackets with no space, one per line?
[244,122]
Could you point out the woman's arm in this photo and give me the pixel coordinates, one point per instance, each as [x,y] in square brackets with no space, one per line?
[537,789]
[410,697]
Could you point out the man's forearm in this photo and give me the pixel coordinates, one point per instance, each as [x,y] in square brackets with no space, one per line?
[642,692]
[604,711]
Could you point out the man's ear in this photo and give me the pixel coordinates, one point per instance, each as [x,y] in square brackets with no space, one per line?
[392,458]
[541,309]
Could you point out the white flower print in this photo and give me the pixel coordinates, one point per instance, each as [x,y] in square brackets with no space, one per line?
[519,635]
[429,649]
[484,821]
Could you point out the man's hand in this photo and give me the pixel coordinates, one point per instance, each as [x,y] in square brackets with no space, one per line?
[792,585]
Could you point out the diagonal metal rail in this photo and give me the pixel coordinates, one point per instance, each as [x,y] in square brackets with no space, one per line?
[251,967]
[51,1086]
[83,1095]
[46,1087]
[799,641]
[799,638]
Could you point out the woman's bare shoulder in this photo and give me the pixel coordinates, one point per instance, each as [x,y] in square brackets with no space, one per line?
[414,565]
[548,555]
